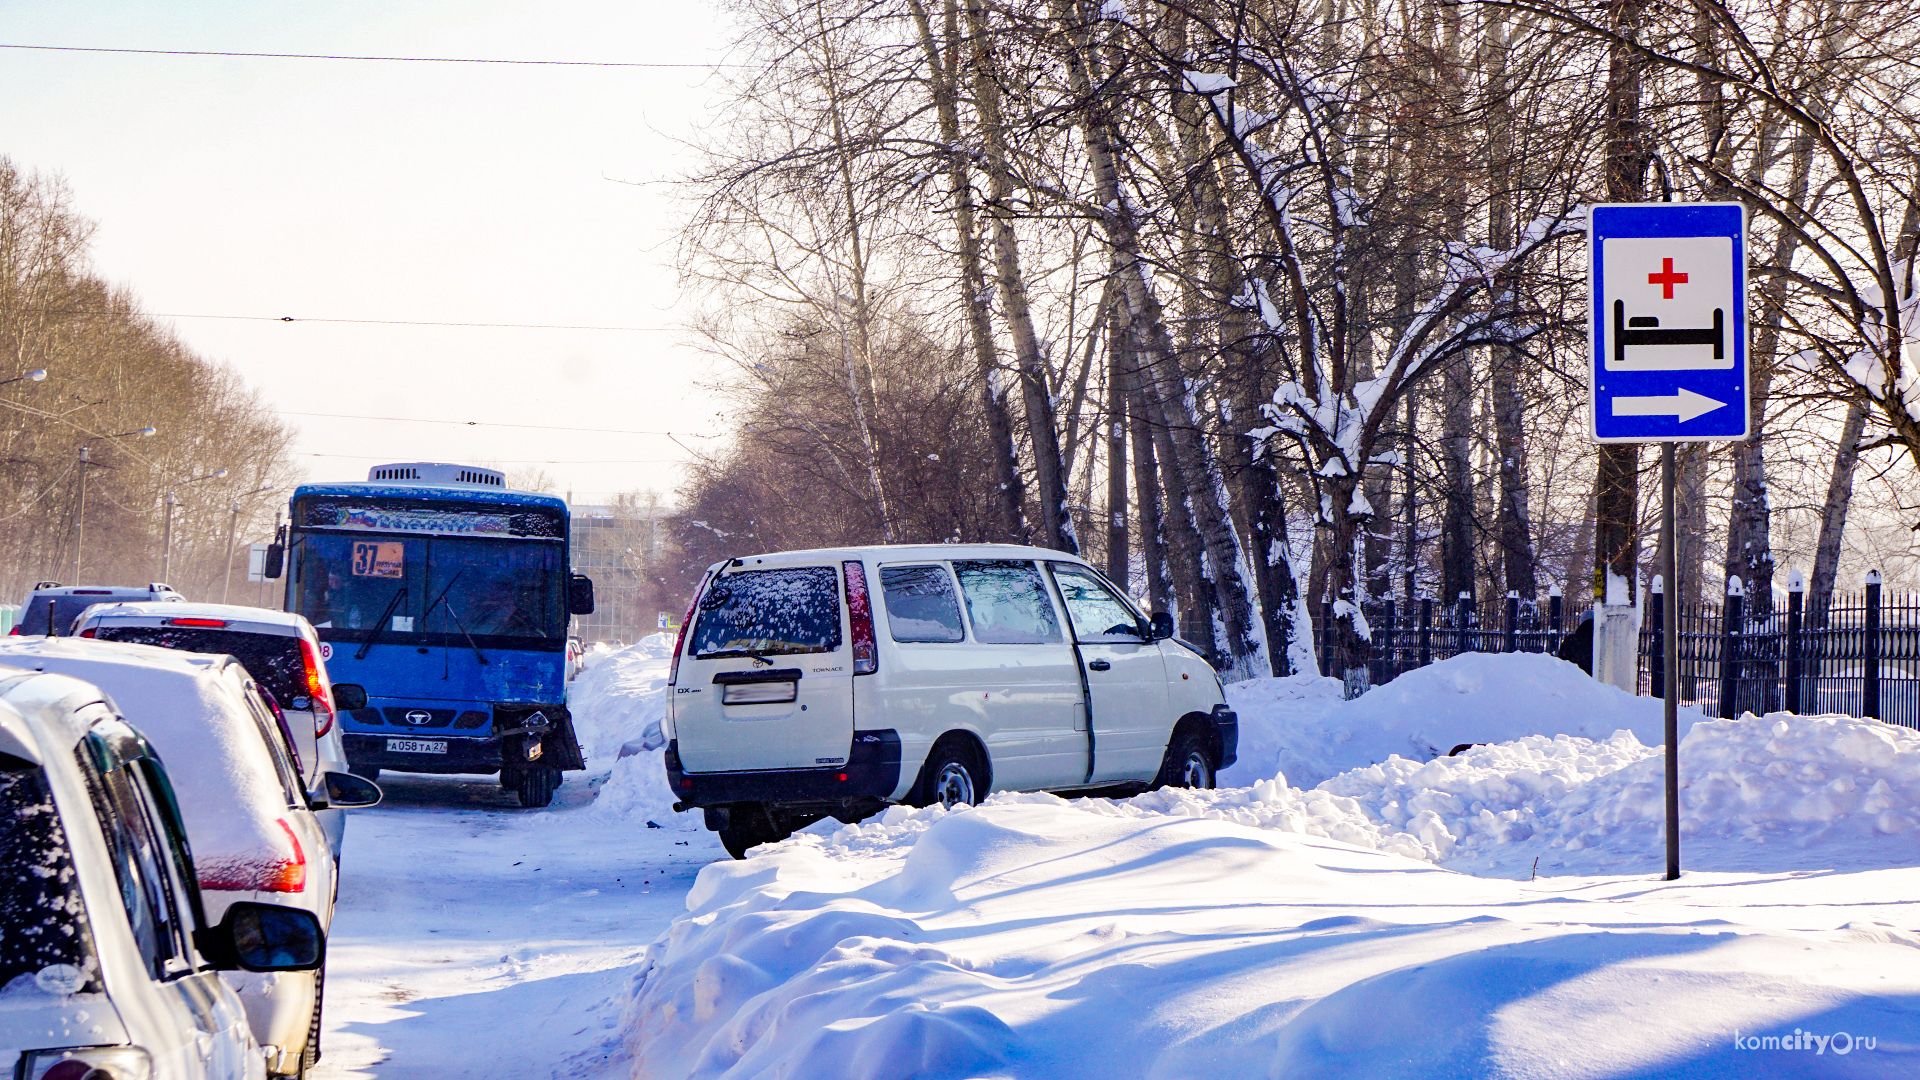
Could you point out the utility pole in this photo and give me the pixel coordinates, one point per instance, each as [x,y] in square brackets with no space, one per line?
[166,542]
[233,527]
[80,512]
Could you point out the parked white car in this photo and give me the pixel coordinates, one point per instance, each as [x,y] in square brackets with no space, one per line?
[810,683]
[108,965]
[281,650]
[248,816]
[52,607]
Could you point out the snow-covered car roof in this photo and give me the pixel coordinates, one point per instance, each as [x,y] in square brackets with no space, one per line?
[190,708]
[23,694]
[255,620]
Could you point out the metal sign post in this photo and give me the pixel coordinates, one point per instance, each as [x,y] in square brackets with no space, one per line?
[1667,288]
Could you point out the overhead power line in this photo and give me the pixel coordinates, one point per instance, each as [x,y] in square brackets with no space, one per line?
[368,59]
[485,423]
[370,322]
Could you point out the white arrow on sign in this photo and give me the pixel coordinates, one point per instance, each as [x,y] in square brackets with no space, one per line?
[1686,405]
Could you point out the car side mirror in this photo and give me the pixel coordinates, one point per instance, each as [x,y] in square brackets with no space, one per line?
[580,595]
[345,791]
[1162,626]
[276,561]
[349,696]
[264,937]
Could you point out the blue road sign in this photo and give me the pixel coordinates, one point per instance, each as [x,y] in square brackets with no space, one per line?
[1667,284]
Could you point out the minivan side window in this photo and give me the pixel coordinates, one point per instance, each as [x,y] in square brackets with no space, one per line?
[921,605]
[784,611]
[1098,616]
[1007,602]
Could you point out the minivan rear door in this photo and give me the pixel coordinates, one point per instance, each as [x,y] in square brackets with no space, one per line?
[766,679]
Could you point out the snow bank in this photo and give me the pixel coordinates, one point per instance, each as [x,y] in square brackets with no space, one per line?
[1032,938]
[619,692]
[618,703]
[1300,727]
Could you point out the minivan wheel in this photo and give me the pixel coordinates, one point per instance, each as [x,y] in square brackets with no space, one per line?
[536,787]
[952,777]
[748,826]
[1188,764]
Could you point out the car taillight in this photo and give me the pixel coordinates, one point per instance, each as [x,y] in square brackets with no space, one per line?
[317,688]
[212,623]
[866,660]
[680,639]
[287,874]
[13,632]
[91,631]
[87,1062]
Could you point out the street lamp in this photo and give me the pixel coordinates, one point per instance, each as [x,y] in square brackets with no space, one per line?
[166,541]
[36,375]
[80,507]
[233,529]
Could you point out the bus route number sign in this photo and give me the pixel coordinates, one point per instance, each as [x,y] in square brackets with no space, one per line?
[378,558]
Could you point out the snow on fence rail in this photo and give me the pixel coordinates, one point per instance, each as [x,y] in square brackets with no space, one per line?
[1859,656]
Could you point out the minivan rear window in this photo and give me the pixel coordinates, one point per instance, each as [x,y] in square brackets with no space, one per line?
[45,946]
[273,661]
[790,610]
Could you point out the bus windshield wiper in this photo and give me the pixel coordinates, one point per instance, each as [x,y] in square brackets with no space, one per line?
[380,627]
[471,644]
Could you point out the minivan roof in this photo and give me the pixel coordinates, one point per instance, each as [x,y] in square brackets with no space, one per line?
[903,552]
[254,619]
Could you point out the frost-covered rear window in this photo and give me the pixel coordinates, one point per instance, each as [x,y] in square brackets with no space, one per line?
[793,610]
[920,604]
[1007,602]
[272,660]
[45,946]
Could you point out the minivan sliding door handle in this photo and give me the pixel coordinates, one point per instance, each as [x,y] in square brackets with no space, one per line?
[1098,665]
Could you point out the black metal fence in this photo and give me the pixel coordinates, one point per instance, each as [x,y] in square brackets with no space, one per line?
[1860,656]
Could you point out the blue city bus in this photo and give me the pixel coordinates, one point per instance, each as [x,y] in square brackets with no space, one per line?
[442,600]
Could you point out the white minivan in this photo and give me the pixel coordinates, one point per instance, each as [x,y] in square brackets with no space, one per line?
[833,682]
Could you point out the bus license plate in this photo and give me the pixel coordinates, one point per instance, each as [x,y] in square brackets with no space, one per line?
[416,746]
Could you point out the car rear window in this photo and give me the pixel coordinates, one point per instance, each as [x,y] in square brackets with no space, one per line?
[272,660]
[55,614]
[792,610]
[45,945]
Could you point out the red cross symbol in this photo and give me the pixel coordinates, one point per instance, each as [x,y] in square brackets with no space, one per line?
[1666,279]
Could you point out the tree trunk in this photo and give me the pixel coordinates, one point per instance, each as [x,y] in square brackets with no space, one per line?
[1457,569]
[1050,479]
[1118,361]
[943,73]
[1513,522]
[1146,487]
[1690,520]
[1203,489]
[1833,515]
[1616,516]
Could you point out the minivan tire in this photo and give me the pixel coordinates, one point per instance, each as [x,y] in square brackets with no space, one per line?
[951,776]
[536,787]
[1189,761]
[748,826]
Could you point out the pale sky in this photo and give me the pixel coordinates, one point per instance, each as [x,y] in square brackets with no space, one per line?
[395,191]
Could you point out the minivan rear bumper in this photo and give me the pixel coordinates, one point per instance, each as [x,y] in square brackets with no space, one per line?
[1227,723]
[872,771]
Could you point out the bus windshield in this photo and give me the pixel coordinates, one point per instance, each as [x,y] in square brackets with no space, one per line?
[441,587]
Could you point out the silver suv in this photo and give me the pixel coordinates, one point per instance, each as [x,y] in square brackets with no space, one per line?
[52,607]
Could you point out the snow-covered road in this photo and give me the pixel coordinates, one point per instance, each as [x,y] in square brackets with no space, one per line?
[476,939]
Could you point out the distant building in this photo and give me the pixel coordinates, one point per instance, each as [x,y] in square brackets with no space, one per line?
[621,546]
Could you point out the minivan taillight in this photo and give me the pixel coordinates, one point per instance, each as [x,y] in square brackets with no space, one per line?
[91,631]
[317,688]
[866,660]
[680,639]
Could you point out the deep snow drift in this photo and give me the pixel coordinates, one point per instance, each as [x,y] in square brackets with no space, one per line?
[1299,726]
[1273,930]
[618,703]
